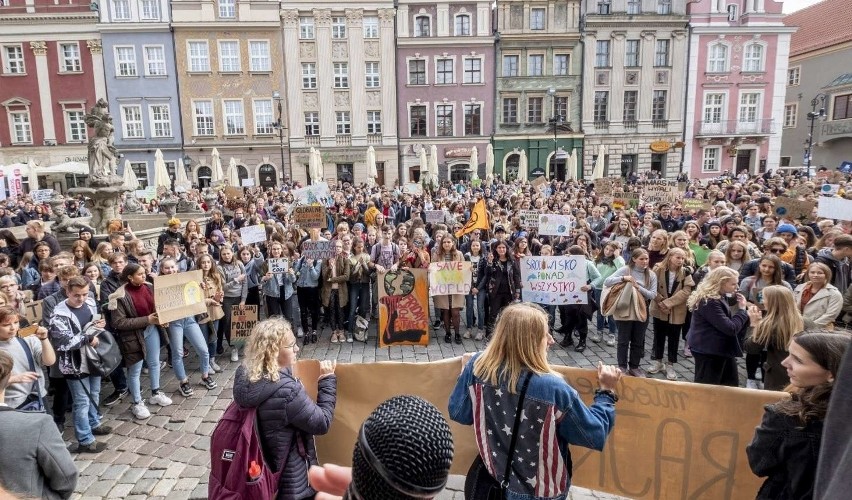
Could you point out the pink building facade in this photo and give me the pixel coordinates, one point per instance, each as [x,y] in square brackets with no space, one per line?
[735,100]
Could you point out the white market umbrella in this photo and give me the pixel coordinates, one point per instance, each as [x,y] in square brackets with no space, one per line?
[474,162]
[372,173]
[131,182]
[312,165]
[320,168]
[433,163]
[598,172]
[523,166]
[489,163]
[232,176]
[161,174]
[216,166]
[181,179]
[571,164]
[424,167]
[32,176]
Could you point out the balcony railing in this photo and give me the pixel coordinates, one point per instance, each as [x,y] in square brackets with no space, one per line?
[312,140]
[763,126]
[344,140]
[602,124]
[631,123]
[374,138]
[660,123]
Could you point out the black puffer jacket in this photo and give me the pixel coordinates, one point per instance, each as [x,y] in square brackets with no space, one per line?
[283,407]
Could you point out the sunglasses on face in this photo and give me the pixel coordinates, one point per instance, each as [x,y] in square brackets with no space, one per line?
[776,250]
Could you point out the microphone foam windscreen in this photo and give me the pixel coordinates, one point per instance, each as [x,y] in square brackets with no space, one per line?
[408,452]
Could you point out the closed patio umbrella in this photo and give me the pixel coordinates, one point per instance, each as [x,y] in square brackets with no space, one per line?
[161,174]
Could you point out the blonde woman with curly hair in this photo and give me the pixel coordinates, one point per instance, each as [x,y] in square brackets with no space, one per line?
[716,333]
[285,413]
[774,332]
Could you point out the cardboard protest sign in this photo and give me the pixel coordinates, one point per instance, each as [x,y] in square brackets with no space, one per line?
[310,216]
[178,296]
[554,280]
[607,185]
[253,234]
[243,321]
[829,189]
[659,191]
[791,208]
[435,216]
[403,307]
[539,183]
[695,204]
[413,189]
[625,200]
[309,195]
[318,250]
[27,331]
[835,208]
[233,192]
[32,311]
[803,190]
[278,266]
[670,440]
[449,278]
[41,195]
[529,218]
[247,182]
[554,224]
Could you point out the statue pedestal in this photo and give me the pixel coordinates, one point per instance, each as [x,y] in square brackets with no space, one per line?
[105,195]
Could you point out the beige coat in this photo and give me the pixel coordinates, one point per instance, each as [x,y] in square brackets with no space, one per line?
[677,302]
[823,308]
[342,279]
[443,301]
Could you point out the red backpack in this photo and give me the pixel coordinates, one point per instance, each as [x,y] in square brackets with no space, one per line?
[238,469]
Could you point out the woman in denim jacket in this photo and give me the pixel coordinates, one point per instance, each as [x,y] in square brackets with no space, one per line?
[554,414]
[307,291]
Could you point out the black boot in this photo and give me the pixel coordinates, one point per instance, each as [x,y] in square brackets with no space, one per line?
[458,338]
[581,346]
[314,337]
[448,338]
[567,341]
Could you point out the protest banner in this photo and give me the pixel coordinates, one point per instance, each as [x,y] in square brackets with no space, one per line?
[247,182]
[793,209]
[278,266]
[659,191]
[449,278]
[625,200]
[233,192]
[834,208]
[413,189]
[695,204]
[253,234]
[41,195]
[318,250]
[178,296]
[529,218]
[539,183]
[435,216]
[242,321]
[27,331]
[554,280]
[403,307]
[829,189]
[32,311]
[670,439]
[310,216]
[554,224]
[150,193]
[803,190]
[607,185]
[309,195]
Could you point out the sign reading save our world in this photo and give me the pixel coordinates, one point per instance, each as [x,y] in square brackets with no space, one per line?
[554,280]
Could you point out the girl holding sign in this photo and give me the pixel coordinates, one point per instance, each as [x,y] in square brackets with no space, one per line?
[450,305]
[212,286]
[235,286]
[278,283]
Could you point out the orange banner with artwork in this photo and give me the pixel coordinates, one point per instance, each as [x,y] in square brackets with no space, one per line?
[403,307]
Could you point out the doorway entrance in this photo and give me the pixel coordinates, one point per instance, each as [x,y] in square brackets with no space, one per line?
[744,157]
[558,165]
[628,165]
[267,176]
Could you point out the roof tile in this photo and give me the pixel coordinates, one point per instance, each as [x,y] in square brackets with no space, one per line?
[821,25]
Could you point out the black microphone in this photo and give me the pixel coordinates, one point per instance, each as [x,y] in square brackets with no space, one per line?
[404,451]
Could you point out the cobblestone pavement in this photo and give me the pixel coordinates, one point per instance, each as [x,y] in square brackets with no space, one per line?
[167,456]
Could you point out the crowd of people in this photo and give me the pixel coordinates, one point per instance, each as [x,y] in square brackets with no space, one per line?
[731,280]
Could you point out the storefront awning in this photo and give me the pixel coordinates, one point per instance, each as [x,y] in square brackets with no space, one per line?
[71,167]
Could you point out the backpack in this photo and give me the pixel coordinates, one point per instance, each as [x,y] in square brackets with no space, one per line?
[238,469]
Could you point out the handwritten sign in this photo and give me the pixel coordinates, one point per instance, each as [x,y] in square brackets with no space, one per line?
[32,311]
[178,296]
[529,218]
[539,183]
[625,200]
[314,193]
[318,250]
[41,195]
[554,280]
[243,321]
[554,224]
[606,186]
[435,216]
[695,204]
[413,189]
[253,234]
[403,307]
[659,191]
[449,278]
[310,216]
[793,209]
[835,208]
[278,266]
[233,192]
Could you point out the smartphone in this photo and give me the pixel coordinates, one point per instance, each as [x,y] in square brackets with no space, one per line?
[124,223]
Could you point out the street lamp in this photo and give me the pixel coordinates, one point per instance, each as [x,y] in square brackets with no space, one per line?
[279,126]
[813,115]
[555,121]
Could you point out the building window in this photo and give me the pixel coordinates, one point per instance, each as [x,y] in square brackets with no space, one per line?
[753,58]
[341,75]
[634,7]
[793,75]
[70,58]
[537,19]
[203,114]
[199,57]
[371,73]
[227,9]
[604,7]
[717,60]
[259,60]
[150,10]
[790,112]
[309,75]
[561,63]
[510,110]
[344,124]
[602,54]
[510,65]
[161,122]
[631,99]
[562,106]
[13,60]
[76,126]
[535,109]
[306,28]
[374,122]
[371,27]
[472,119]
[312,123]
[786,160]
[444,71]
[601,106]
[125,61]
[661,53]
[710,162]
[417,119]
[472,70]
[338,27]
[344,172]
[444,120]
[141,171]
[131,120]
[462,25]
[631,53]
[535,65]
[422,26]
[235,123]
[155,60]
[263,117]
[658,105]
[664,7]
[749,106]
[714,106]
[121,10]
[229,57]
[842,107]
[22,132]
[417,72]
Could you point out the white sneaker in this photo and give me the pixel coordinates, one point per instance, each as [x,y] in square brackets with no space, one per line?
[751,384]
[479,335]
[214,366]
[610,340]
[657,367]
[595,337]
[467,334]
[301,333]
[160,399]
[671,374]
[140,411]
[235,354]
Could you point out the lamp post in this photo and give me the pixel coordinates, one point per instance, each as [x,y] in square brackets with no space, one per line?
[279,126]
[555,121]
[813,115]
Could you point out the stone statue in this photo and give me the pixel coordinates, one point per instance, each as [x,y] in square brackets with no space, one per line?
[131,204]
[102,152]
[61,221]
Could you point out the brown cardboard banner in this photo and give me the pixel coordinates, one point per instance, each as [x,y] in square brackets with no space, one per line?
[242,321]
[178,296]
[403,307]
[671,439]
[310,216]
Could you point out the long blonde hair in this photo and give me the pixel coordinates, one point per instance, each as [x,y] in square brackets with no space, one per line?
[782,319]
[709,287]
[263,346]
[516,346]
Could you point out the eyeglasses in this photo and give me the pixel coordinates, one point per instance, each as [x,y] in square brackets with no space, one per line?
[290,346]
[777,250]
